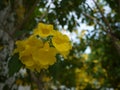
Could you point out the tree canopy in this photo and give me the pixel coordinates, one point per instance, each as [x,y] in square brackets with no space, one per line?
[97,70]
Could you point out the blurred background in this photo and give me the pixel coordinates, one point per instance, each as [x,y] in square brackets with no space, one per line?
[93,27]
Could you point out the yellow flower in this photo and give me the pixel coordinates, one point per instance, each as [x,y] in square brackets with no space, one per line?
[26,57]
[45,55]
[1,47]
[33,41]
[36,54]
[85,56]
[95,61]
[46,78]
[19,82]
[26,49]
[30,42]
[61,43]
[43,30]
[20,46]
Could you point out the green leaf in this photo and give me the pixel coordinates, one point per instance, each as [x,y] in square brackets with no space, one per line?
[14,65]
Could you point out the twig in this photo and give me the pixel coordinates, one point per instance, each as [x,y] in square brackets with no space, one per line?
[104,19]
[95,19]
[89,6]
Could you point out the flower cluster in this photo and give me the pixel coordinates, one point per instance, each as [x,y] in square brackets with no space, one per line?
[39,50]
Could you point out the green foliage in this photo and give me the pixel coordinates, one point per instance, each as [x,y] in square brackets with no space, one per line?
[102,64]
[63,72]
[14,65]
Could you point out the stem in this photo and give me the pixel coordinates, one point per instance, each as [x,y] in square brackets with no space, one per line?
[37,80]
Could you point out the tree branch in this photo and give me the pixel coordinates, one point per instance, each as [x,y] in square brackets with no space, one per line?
[103,17]
[108,30]
[95,19]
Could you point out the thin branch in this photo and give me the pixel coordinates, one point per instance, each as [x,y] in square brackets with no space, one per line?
[107,30]
[95,19]
[102,14]
[89,6]
[46,12]
[37,80]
